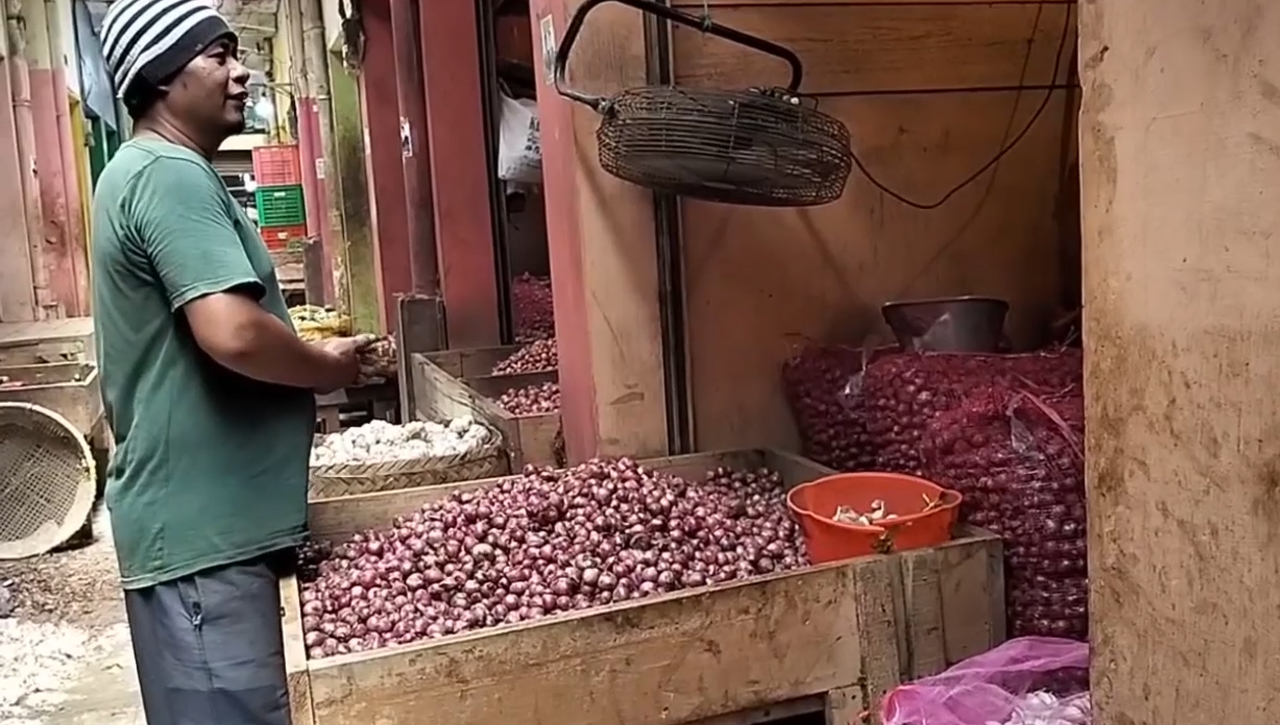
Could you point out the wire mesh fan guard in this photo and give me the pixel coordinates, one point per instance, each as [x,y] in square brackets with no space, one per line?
[752,147]
[47,480]
[757,147]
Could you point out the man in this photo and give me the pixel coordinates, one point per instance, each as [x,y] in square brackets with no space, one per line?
[209,392]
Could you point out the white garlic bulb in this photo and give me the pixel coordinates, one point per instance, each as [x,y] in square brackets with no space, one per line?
[379,441]
[1043,708]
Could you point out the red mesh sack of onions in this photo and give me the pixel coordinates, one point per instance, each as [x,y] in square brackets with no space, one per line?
[903,393]
[1018,459]
[823,387]
[533,309]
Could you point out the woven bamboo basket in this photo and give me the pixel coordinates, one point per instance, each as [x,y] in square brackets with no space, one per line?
[487,460]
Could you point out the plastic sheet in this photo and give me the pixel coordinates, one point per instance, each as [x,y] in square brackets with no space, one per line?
[992,688]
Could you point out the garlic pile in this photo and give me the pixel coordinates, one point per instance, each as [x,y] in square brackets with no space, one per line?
[379,440]
[1043,708]
[847,515]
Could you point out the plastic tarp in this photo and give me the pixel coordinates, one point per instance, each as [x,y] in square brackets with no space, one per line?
[96,90]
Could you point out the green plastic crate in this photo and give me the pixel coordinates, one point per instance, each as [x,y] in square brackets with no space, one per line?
[281,206]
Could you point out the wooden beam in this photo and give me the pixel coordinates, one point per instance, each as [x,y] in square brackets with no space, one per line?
[387,204]
[604,267]
[1181,205]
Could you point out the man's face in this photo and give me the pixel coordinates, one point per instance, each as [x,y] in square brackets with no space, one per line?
[211,92]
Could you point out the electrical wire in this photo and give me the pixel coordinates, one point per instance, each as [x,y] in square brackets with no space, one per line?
[1044,104]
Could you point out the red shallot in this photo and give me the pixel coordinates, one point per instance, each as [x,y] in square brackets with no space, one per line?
[546,542]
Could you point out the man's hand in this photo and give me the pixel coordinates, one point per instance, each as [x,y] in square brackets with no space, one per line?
[344,365]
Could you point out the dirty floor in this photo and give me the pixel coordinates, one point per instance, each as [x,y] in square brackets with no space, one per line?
[65,657]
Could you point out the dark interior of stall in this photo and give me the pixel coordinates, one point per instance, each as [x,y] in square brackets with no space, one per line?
[507,60]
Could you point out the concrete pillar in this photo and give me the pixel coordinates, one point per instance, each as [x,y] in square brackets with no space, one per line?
[1180,178]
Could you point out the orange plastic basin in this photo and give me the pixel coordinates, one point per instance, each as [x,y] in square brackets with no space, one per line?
[815,503]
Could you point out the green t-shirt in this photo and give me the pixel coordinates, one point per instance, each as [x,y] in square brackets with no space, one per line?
[210,466]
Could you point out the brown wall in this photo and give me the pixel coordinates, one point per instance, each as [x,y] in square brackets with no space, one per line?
[926,93]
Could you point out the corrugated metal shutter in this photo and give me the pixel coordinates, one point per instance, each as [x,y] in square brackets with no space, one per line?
[233,162]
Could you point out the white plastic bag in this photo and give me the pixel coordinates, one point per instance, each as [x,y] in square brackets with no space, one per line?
[519,142]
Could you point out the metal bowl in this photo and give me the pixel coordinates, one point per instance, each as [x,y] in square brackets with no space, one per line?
[948,324]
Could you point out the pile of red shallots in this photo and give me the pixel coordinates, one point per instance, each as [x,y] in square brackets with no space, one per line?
[903,393]
[535,357]
[532,308]
[1018,458]
[1002,429]
[531,399]
[546,542]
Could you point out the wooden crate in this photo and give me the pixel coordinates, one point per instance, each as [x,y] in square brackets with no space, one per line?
[833,637]
[47,341]
[473,363]
[530,439]
[533,437]
[71,389]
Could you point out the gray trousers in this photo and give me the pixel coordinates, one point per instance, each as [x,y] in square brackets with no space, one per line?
[209,647]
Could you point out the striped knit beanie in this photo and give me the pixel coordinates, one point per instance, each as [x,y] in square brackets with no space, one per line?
[153,40]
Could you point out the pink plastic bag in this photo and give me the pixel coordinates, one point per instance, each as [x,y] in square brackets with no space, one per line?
[985,688]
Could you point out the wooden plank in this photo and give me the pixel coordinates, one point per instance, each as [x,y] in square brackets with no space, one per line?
[47,341]
[972,584]
[419,328]
[877,633]
[921,642]
[72,389]
[495,386]
[674,659]
[439,396]
[534,441]
[472,363]
[754,303]
[295,655]
[865,48]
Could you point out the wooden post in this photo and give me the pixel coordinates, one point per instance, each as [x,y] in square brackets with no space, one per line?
[1180,181]
[604,268]
[316,69]
[383,160]
[415,154]
[456,128]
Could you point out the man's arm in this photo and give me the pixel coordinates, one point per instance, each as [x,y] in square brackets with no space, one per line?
[184,229]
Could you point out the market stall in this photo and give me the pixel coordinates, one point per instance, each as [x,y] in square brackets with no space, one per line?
[767,636]
[691,322]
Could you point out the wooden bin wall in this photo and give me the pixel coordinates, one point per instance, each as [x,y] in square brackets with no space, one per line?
[472,363]
[71,389]
[835,636]
[530,439]
[927,91]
